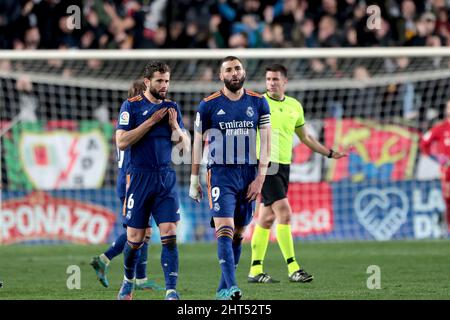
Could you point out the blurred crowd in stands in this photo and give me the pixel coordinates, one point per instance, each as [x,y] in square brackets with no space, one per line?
[125,24]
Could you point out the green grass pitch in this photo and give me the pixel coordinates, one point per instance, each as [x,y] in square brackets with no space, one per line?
[409,270]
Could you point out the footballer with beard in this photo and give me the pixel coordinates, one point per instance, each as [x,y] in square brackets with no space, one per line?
[229,121]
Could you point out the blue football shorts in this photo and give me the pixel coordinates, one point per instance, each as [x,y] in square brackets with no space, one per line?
[123,214]
[227,190]
[151,193]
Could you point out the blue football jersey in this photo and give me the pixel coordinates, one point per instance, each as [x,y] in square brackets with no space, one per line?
[231,126]
[154,149]
[123,161]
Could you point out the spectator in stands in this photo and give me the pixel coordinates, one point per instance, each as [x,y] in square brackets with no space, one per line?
[425,27]
[207,75]
[351,37]
[267,36]
[361,73]
[304,36]
[88,40]
[177,35]
[28,103]
[67,37]
[238,40]
[365,37]
[442,23]
[327,33]
[383,35]
[158,39]
[420,36]
[216,38]
[93,24]
[405,25]
[197,35]
[32,39]
[250,25]
[150,29]
[278,37]
[430,22]
[329,8]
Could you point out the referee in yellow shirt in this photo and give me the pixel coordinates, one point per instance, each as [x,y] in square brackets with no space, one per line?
[287,118]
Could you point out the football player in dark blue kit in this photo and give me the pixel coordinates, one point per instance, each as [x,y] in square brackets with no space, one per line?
[149,125]
[101,263]
[229,121]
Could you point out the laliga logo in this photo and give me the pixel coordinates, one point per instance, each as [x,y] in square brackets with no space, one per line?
[381,212]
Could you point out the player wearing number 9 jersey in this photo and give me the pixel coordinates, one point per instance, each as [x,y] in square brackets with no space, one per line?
[229,119]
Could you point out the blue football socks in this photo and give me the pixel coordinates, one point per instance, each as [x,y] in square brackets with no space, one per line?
[141,267]
[169,261]
[225,254]
[130,256]
[117,247]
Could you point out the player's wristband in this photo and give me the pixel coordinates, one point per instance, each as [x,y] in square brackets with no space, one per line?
[330,155]
[194,179]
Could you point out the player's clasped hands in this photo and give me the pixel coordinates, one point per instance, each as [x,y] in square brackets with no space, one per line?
[173,118]
[158,115]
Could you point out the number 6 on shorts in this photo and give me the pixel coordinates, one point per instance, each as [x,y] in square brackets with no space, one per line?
[130,203]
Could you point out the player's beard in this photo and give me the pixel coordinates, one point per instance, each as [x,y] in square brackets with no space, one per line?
[158,95]
[234,86]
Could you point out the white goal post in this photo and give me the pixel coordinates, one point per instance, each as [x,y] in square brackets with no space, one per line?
[192,54]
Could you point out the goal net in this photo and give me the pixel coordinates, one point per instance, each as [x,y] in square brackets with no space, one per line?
[58,111]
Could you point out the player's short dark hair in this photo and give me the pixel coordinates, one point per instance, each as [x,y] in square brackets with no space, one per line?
[137,87]
[276,67]
[155,66]
[230,58]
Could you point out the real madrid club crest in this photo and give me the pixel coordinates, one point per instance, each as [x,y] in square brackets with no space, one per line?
[250,112]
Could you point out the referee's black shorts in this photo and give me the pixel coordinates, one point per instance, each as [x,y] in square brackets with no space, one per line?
[275,186]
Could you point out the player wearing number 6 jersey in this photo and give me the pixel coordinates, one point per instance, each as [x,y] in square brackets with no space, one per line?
[101,263]
[229,119]
[148,125]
